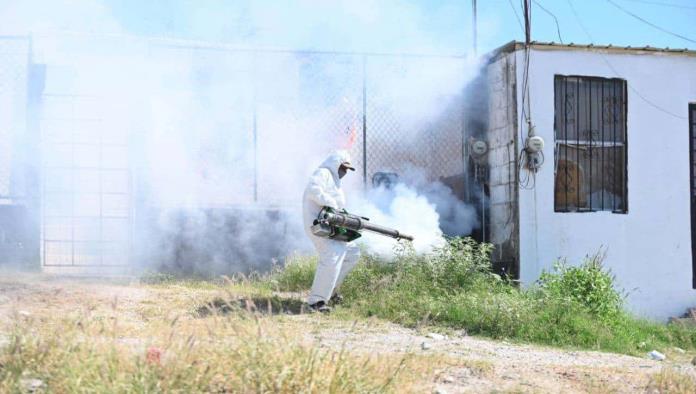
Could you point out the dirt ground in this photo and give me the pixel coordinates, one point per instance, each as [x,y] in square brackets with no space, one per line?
[483,365]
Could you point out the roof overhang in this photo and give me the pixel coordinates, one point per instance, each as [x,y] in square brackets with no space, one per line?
[514,46]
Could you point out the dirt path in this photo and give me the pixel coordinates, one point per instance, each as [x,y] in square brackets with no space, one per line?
[479,365]
[500,366]
[42,295]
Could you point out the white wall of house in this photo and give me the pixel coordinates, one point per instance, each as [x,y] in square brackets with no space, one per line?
[649,248]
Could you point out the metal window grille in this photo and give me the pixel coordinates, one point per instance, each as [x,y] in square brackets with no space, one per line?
[590,151]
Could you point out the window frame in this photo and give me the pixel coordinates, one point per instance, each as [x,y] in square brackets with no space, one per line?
[624,108]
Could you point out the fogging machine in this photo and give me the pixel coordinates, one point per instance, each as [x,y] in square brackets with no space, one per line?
[346,227]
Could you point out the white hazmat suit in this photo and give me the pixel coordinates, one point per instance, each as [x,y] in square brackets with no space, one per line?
[336,258]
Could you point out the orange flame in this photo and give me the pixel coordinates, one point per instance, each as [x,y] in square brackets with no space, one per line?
[352,136]
[351,113]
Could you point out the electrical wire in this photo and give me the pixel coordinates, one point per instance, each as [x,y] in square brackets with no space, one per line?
[630,86]
[526,181]
[523,176]
[524,118]
[558,27]
[662,29]
[664,4]
[526,5]
[519,22]
[582,25]
[613,69]
[525,76]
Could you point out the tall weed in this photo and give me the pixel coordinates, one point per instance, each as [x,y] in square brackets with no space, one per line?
[576,306]
[297,274]
[588,285]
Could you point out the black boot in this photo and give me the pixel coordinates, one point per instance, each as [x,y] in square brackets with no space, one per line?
[320,306]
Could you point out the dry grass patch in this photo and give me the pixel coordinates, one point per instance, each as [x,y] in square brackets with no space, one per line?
[673,381]
[160,344]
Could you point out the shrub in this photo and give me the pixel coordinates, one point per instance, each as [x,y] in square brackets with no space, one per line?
[588,285]
[414,287]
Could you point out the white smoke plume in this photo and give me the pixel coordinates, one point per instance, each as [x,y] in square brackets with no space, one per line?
[401,208]
[179,93]
[415,206]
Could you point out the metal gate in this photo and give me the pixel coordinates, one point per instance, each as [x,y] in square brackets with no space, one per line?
[86,214]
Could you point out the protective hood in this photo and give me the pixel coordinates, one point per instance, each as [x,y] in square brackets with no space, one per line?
[334,161]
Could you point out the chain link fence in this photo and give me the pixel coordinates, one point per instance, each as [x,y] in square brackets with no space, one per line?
[246,124]
[301,104]
[277,114]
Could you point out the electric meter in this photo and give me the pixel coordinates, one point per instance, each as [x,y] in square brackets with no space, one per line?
[479,148]
[534,144]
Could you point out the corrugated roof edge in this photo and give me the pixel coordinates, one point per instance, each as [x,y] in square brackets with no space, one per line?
[517,45]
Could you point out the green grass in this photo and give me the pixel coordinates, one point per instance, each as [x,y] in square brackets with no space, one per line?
[296,275]
[576,307]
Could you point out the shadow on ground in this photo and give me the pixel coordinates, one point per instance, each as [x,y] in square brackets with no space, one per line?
[265,305]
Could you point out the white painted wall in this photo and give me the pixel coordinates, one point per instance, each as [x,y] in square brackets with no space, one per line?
[649,248]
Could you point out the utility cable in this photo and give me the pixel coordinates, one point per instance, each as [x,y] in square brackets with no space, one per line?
[577,18]
[525,179]
[651,24]
[611,66]
[665,4]
[525,86]
[558,28]
[519,21]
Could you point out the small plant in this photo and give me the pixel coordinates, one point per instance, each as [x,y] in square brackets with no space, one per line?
[589,285]
[296,275]
[460,263]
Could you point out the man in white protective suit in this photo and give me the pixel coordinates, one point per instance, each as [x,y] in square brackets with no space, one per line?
[336,258]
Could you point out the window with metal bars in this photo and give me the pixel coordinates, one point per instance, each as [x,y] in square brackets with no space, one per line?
[590,144]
